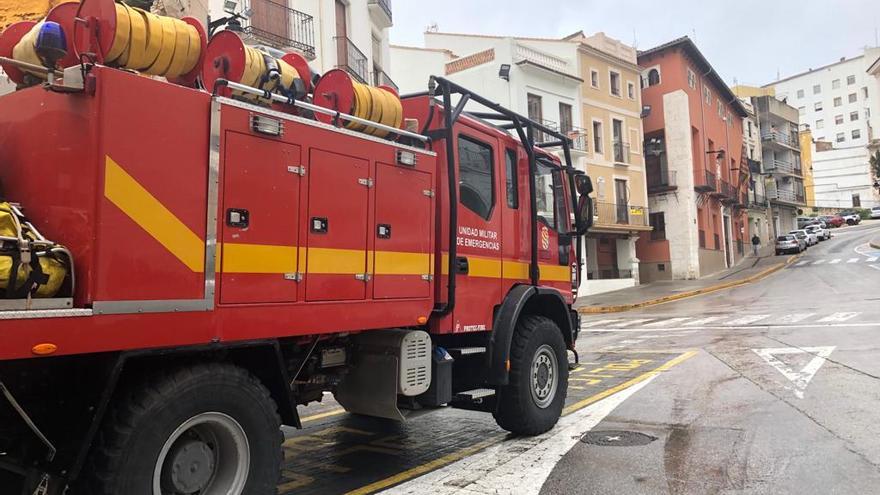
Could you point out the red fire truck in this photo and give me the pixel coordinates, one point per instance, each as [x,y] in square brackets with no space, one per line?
[232,253]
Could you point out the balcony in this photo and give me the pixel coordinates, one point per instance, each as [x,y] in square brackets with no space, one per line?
[579,142]
[783,167]
[281,27]
[621,153]
[620,214]
[380,78]
[791,197]
[758,201]
[541,137]
[350,59]
[708,183]
[725,190]
[380,12]
[660,181]
[790,140]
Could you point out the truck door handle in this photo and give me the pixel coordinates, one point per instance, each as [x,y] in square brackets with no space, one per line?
[461,265]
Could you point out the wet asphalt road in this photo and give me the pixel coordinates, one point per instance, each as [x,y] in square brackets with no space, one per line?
[772,387]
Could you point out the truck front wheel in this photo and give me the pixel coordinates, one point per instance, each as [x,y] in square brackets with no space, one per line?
[207,429]
[532,401]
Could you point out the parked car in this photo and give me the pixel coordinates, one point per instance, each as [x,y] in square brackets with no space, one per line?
[821,232]
[852,217]
[803,222]
[810,238]
[789,244]
[833,221]
[875,212]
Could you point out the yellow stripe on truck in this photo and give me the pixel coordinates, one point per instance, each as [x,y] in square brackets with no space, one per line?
[258,258]
[124,191]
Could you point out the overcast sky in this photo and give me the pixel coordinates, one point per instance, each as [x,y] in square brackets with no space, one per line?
[749,41]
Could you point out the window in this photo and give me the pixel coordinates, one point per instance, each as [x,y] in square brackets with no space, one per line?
[708,95]
[547,182]
[857,201]
[817,88]
[853,97]
[653,77]
[820,124]
[856,134]
[817,106]
[658,221]
[749,122]
[800,93]
[476,183]
[631,90]
[597,137]
[865,93]
[841,137]
[512,180]
[720,107]
[535,106]
[838,119]
[853,116]
[614,81]
[565,124]
[692,79]
[838,101]
[594,78]
[835,84]
[802,110]
[850,80]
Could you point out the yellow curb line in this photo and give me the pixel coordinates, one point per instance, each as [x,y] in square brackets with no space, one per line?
[692,293]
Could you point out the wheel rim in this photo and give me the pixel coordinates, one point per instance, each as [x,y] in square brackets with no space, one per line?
[208,454]
[544,376]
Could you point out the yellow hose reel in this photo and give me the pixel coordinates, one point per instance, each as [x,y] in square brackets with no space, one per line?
[338,91]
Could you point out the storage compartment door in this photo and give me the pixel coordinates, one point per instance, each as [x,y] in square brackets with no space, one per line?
[337,232]
[404,224]
[258,251]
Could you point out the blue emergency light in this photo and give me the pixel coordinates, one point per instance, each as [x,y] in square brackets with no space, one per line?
[51,45]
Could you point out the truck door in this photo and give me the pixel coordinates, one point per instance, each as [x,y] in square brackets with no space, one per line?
[554,248]
[478,261]
[260,233]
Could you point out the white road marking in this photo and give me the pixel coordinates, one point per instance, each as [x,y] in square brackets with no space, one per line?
[746,320]
[875,267]
[834,261]
[872,259]
[632,341]
[794,318]
[801,378]
[818,262]
[871,325]
[703,321]
[595,323]
[839,317]
[670,321]
[853,260]
[629,323]
[802,263]
[520,465]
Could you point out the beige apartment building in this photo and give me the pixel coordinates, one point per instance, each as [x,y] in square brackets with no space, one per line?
[611,113]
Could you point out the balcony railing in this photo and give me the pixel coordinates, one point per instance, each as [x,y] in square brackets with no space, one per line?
[661,181]
[281,27]
[620,214]
[709,182]
[352,60]
[726,190]
[380,78]
[578,138]
[621,152]
[783,167]
[780,137]
[385,5]
[789,196]
[541,137]
[758,201]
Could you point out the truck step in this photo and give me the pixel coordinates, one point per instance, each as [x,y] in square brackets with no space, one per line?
[475,395]
[466,351]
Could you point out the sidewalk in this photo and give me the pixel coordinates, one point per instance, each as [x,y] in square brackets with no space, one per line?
[750,270]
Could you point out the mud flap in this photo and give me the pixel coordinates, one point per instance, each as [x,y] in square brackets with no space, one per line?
[370,387]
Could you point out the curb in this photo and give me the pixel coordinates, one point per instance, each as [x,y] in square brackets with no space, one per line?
[696,292]
[874,243]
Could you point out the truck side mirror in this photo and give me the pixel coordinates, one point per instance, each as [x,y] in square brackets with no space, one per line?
[584,213]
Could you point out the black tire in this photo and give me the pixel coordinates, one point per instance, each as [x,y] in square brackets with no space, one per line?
[127,449]
[518,411]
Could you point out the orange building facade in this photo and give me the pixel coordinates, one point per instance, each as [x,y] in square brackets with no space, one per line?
[697,175]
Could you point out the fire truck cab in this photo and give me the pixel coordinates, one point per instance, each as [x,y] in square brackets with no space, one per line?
[230,257]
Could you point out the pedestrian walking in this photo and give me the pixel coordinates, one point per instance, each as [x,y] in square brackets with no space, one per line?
[756,242]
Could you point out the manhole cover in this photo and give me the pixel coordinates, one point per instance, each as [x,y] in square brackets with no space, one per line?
[615,438]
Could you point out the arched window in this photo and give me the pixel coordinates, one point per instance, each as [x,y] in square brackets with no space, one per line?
[653,77]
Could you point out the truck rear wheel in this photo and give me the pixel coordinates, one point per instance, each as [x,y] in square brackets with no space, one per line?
[532,401]
[208,429]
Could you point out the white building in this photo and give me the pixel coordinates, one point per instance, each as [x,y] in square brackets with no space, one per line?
[346,34]
[841,104]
